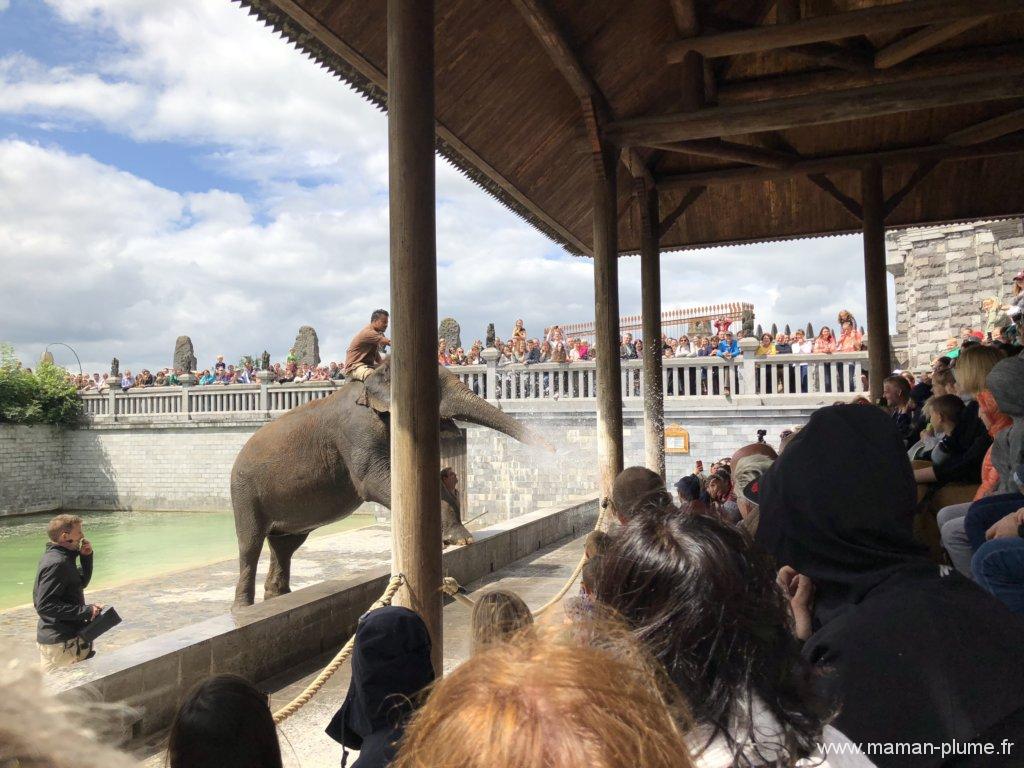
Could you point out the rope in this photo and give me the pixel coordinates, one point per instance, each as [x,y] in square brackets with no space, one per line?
[452,588]
[340,658]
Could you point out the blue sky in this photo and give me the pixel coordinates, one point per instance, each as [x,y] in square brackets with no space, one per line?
[175,168]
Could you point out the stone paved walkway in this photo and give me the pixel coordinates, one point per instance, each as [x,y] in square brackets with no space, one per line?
[155,605]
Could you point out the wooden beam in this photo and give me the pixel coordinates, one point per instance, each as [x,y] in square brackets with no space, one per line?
[363,66]
[650,304]
[787,11]
[414,419]
[837,26]
[988,130]
[692,75]
[726,150]
[838,164]
[916,42]
[547,31]
[672,216]
[835,107]
[830,55]
[875,279]
[606,328]
[637,166]
[994,59]
[824,183]
[922,170]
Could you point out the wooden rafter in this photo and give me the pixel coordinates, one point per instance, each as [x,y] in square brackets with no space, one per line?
[692,77]
[923,39]
[922,170]
[996,60]
[725,150]
[816,109]
[374,75]
[672,216]
[838,26]
[839,163]
[824,183]
[988,130]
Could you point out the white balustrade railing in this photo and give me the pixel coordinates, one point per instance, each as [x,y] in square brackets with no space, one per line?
[771,380]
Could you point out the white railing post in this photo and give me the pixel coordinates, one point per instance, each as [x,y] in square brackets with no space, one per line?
[749,365]
[112,404]
[490,356]
[263,404]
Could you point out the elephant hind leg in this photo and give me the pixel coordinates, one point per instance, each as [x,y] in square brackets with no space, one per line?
[282,547]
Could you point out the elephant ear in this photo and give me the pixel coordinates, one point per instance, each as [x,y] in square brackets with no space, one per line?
[377,389]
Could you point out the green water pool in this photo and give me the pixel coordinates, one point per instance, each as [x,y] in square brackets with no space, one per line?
[129,545]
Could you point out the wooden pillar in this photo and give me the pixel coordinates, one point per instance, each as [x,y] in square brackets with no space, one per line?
[606,323]
[415,425]
[875,280]
[650,302]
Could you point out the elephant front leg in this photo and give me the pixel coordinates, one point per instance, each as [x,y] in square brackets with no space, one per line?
[453,532]
[282,547]
[248,559]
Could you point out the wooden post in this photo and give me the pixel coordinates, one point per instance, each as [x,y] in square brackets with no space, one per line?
[606,323]
[650,302]
[415,425]
[873,203]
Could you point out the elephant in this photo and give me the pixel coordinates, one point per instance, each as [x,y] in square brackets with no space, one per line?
[317,463]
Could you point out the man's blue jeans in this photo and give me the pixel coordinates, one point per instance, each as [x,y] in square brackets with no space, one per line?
[998,567]
[986,512]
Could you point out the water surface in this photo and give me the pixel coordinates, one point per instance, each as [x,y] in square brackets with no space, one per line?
[128,545]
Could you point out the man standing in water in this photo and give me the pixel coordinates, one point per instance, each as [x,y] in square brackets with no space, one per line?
[364,353]
[59,594]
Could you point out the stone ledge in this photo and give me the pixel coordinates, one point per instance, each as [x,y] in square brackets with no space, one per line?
[273,636]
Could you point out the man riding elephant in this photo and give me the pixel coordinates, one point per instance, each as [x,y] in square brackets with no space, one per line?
[364,353]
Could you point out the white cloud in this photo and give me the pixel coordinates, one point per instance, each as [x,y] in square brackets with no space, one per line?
[116,265]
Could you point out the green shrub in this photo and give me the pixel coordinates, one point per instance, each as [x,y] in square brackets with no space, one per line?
[45,396]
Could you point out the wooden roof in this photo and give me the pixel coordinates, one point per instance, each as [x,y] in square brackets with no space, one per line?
[752,116]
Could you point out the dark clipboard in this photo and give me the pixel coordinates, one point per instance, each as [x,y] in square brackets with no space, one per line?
[107,620]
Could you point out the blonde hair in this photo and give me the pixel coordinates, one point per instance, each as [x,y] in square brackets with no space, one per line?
[61,524]
[498,616]
[38,730]
[549,700]
[973,366]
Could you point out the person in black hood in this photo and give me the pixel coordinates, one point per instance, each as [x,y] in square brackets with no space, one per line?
[914,655]
[390,666]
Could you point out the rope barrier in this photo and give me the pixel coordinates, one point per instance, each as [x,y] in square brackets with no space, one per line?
[452,588]
[340,658]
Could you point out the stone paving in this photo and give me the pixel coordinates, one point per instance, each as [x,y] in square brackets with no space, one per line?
[303,743]
[156,605]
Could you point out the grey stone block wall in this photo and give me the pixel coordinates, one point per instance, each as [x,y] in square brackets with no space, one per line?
[188,467]
[942,274]
[30,469]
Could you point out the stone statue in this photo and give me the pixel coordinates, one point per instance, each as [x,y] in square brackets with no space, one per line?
[184,355]
[490,335]
[306,348]
[265,361]
[450,331]
[115,369]
[747,320]
[702,328]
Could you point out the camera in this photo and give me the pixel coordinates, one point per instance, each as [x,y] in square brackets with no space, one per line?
[760,435]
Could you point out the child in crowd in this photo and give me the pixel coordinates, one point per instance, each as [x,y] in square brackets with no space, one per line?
[498,616]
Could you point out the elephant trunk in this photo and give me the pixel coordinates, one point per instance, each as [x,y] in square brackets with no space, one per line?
[465,406]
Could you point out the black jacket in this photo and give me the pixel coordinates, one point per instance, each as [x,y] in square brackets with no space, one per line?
[59,595]
[965,449]
[390,666]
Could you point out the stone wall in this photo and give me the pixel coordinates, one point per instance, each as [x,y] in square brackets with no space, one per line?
[942,274]
[30,469]
[188,466]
